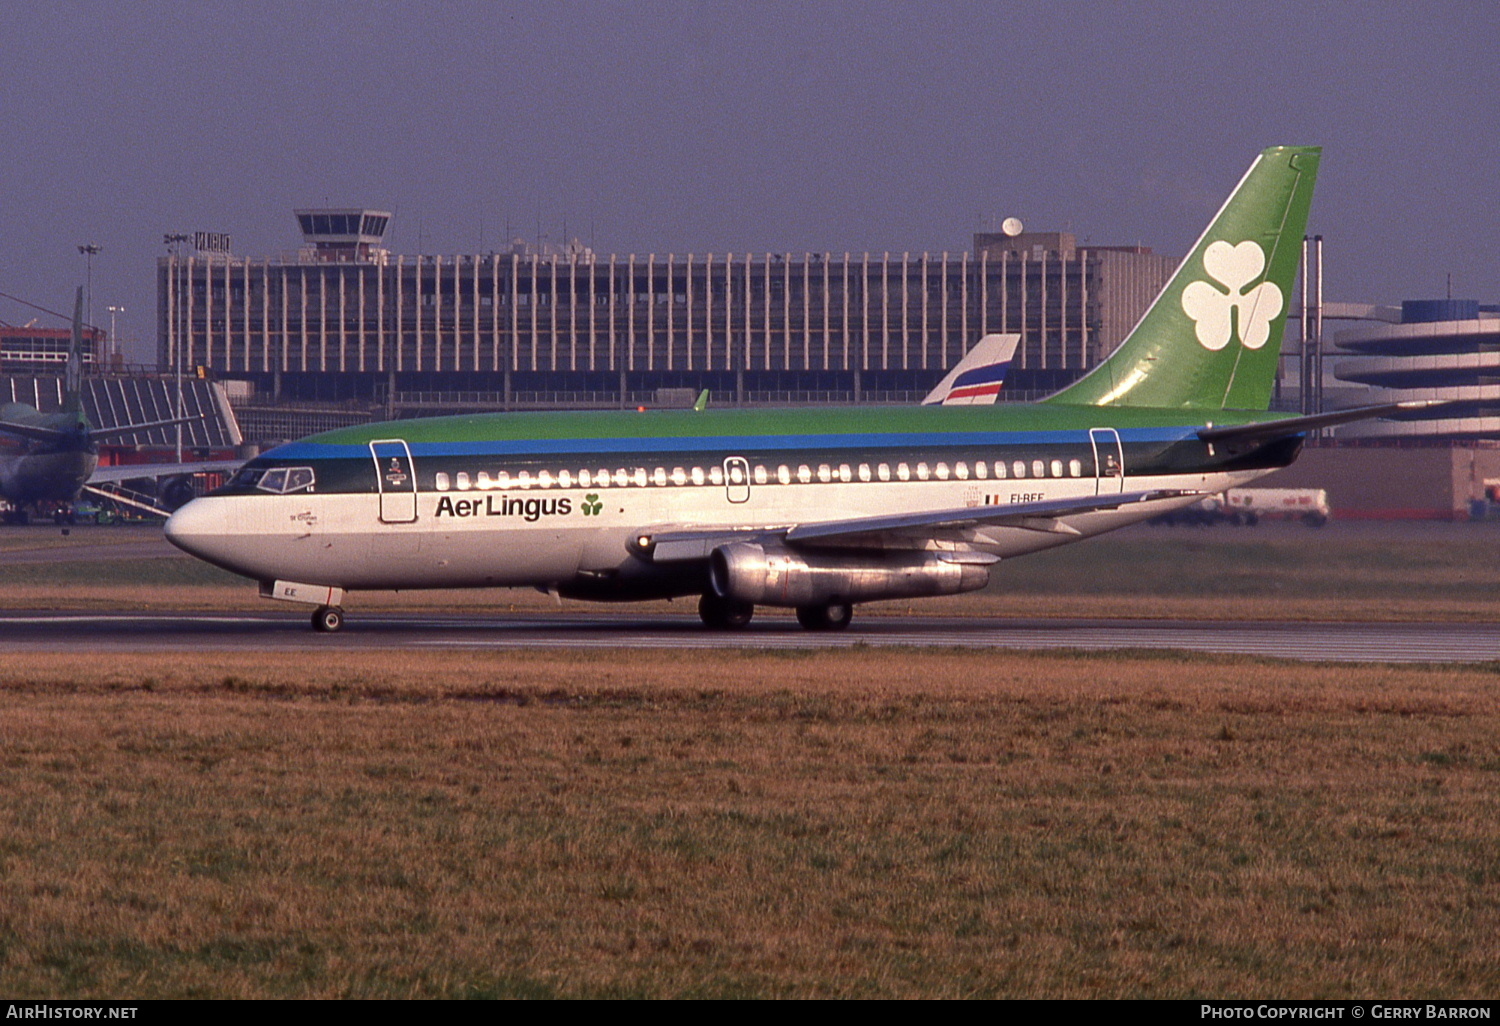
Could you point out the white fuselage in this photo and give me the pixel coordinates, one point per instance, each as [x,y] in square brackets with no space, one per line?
[481,529]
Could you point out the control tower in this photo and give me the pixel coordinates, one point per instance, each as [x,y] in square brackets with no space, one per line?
[343,234]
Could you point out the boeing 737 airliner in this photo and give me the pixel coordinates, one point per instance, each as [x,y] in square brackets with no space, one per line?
[810,509]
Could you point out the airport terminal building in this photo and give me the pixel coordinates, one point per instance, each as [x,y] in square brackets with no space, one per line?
[344,319]
[1428,349]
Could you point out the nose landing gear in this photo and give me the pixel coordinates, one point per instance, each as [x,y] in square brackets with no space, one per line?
[328,619]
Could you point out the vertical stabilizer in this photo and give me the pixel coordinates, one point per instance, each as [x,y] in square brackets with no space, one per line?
[977,378]
[73,375]
[1212,338]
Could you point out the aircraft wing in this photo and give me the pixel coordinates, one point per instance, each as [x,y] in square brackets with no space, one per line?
[900,530]
[135,471]
[130,429]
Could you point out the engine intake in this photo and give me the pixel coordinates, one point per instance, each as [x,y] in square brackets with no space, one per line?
[772,575]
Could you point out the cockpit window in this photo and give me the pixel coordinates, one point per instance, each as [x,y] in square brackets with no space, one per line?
[282,480]
[248,477]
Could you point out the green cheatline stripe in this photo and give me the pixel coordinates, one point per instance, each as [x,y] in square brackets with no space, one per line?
[940,425]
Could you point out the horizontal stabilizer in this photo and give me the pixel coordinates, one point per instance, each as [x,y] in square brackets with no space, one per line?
[1291,426]
[35,432]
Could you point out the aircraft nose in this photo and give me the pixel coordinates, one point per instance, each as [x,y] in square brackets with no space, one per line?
[199,529]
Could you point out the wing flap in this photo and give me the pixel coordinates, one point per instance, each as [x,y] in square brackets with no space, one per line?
[951,527]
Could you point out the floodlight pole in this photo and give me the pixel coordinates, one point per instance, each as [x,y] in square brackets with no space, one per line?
[114,345]
[172,240]
[88,250]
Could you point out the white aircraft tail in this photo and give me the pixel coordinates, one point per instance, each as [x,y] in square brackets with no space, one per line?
[977,379]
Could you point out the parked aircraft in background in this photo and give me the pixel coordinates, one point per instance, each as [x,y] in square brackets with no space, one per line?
[51,457]
[976,379]
[811,509]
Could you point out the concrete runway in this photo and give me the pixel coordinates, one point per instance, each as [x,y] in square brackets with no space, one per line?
[285,628]
[104,633]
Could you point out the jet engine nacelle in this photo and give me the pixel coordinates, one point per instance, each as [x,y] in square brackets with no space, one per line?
[772,575]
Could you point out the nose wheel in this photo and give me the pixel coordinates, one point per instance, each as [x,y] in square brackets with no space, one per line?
[328,619]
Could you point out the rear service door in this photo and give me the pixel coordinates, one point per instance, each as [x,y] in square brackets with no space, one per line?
[396,479]
[1109,461]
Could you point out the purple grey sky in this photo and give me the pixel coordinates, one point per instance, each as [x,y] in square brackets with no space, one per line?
[713,127]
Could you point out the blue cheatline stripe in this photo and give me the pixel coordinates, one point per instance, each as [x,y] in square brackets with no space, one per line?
[915,441]
[983,375]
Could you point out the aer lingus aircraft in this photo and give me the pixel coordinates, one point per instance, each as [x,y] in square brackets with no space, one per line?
[811,509]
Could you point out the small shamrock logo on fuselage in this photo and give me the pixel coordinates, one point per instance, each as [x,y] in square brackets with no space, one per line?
[592,507]
[1250,309]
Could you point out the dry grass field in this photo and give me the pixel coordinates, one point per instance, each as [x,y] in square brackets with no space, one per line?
[858,824]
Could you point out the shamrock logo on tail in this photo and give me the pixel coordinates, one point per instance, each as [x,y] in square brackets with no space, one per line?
[1233,268]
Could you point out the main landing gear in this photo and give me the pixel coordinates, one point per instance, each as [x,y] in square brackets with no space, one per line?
[833,617]
[722,614]
[328,619]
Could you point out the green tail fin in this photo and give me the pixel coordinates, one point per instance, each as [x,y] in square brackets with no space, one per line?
[1211,339]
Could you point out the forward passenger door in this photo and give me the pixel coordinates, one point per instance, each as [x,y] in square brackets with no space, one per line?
[396,480]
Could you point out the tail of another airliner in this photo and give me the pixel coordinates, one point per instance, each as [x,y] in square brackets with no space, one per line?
[977,378]
[1212,337]
[73,374]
